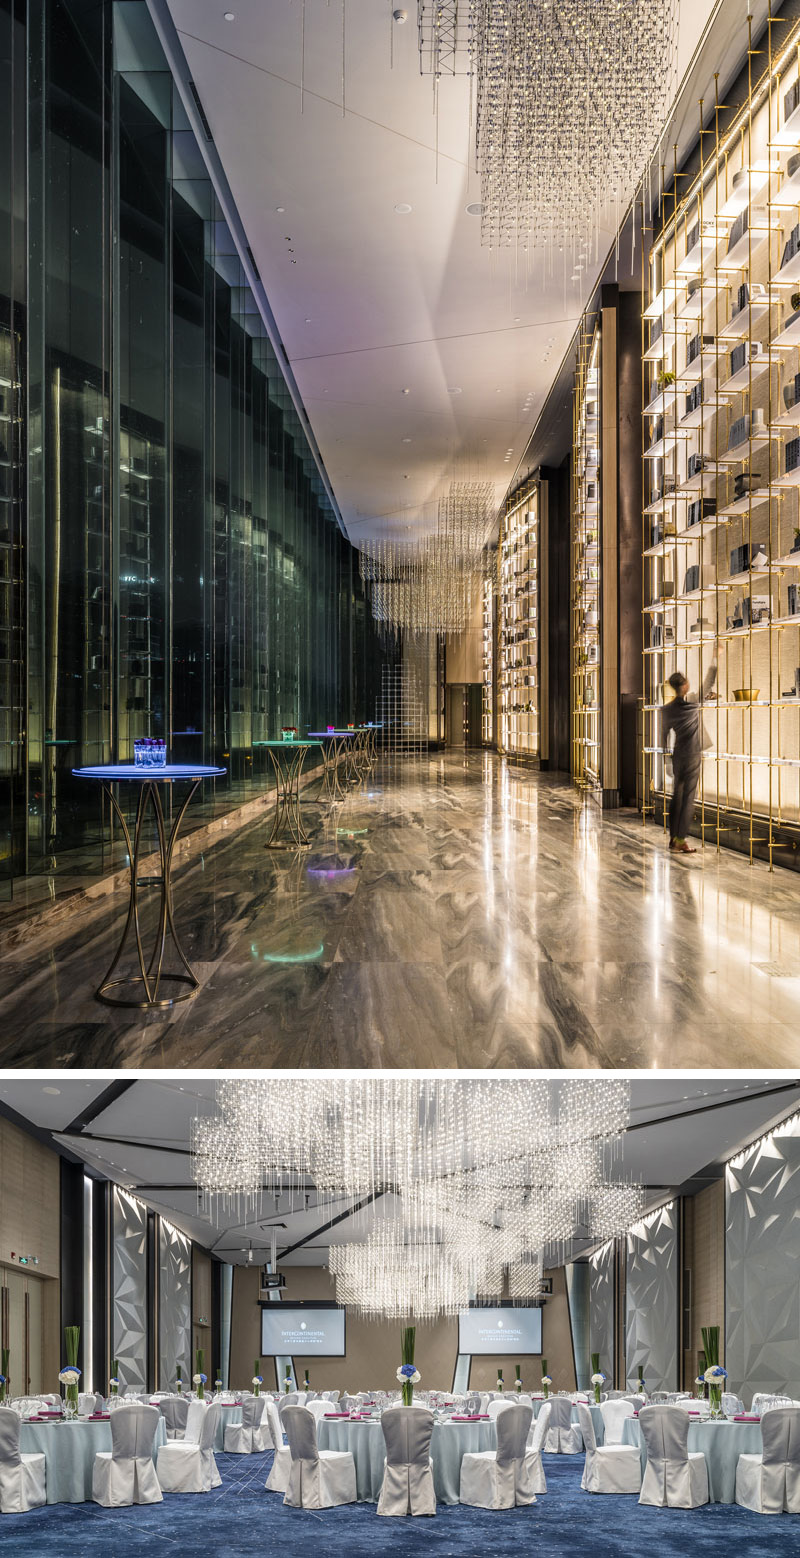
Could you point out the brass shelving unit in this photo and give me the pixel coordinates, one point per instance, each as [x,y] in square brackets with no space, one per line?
[487,660]
[721,522]
[586,602]
[518,637]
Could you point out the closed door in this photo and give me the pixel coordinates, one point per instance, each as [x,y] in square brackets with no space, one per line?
[21,1323]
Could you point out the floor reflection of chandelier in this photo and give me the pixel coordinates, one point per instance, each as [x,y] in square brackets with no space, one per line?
[462,1183]
[570,100]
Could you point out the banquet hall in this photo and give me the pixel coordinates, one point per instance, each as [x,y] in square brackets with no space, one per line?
[399,1313]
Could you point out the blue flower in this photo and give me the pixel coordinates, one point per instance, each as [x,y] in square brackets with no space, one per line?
[407,1369]
[3,1380]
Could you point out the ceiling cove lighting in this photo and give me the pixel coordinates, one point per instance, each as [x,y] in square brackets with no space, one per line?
[787,1127]
[571,98]
[474,1180]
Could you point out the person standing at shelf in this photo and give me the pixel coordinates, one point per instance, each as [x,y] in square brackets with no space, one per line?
[683,718]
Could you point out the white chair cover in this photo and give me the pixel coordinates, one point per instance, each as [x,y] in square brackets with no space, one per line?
[536,1439]
[616,1395]
[730,1403]
[497,1406]
[637,1402]
[186,1466]
[472,1405]
[563,1436]
[278,1479]
[407,1487]
[319,1408]
[175,1412]
[762,1402]
[247,1437]
[318,1479]
[484,1400]
[502,1478]
[330,1395]
[770,1483]
[22,1477]
[672,1475]
[85,1403]
[125,1474]
[608,1468]
[291,1399]
[195,1418]
[614,1415]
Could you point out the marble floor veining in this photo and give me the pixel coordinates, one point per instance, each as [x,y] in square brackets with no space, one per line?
[455,911]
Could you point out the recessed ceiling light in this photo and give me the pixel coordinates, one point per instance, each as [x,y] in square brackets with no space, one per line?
[308,321]
[406,440]
[281,209]
[230,16]
[475,208]
[455,391]
[406,392]
[53,1091]
[402,210]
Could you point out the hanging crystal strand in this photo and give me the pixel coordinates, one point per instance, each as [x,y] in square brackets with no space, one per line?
[344,2]
[302,49]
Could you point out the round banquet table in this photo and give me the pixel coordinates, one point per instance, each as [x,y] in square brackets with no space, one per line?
[721,1442]
[69,1450]
[450,1442]
[229,1413]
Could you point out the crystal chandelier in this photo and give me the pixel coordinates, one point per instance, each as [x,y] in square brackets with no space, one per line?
[570,100]
[429,586]
[460,1184]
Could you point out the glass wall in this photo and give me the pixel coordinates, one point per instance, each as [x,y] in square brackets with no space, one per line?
[170,563]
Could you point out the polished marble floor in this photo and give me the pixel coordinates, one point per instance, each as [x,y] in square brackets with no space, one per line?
[454,911]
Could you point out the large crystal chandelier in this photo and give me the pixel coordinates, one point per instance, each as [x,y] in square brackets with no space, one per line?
[429,586]
[460,1185]
[570,100]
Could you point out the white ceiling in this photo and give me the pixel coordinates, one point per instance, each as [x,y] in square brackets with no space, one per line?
[375,302]
[138,1136]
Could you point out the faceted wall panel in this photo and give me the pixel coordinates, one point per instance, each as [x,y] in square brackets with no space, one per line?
[651,1325]
[174,1304]
[762,1266]
[601,1307]
[129,1319]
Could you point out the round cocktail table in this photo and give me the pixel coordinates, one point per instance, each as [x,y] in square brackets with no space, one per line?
[287,760]
[151,975]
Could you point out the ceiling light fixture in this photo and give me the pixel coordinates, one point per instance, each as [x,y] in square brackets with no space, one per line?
[402,210]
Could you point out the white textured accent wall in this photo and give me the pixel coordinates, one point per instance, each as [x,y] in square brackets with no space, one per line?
[174,1304]
[762,1266]
[601,1308]
[129,1320]
[651,1304]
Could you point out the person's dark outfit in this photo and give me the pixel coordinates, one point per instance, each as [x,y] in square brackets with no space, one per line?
[682,716]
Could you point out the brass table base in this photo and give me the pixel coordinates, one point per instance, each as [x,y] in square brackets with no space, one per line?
[287,823]
[151,976]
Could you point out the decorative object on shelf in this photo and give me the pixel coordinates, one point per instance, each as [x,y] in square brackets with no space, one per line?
[287,1379]
[546,1379]
[713,1372]
[518,1378]
[258,1378]
[407,1375]
[199,1378]
[598,1378]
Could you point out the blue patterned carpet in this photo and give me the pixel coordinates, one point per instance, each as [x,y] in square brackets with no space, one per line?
[242,1518]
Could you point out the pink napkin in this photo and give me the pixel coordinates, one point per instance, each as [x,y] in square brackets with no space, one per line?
[480,1417]
[337,1414]
[746,1418]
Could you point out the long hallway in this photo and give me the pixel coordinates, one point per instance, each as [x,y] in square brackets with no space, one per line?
[452,912]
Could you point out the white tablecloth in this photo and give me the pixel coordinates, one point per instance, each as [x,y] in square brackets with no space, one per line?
[69,1450]
[228,1414]
[450,1442]
[721,1442]
[597,1417]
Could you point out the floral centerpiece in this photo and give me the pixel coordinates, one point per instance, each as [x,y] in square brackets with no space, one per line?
[70,1374]
[258,1378]
[546,1379]
[5,1356]
[287,1379]
[199,1378]
[640,1378]
[598,1377]
[218,1384]
[700,1382]
[407,1374]
[713,1372]
[500,1385]
[306,1381]
[518,1380]
[179,1378]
